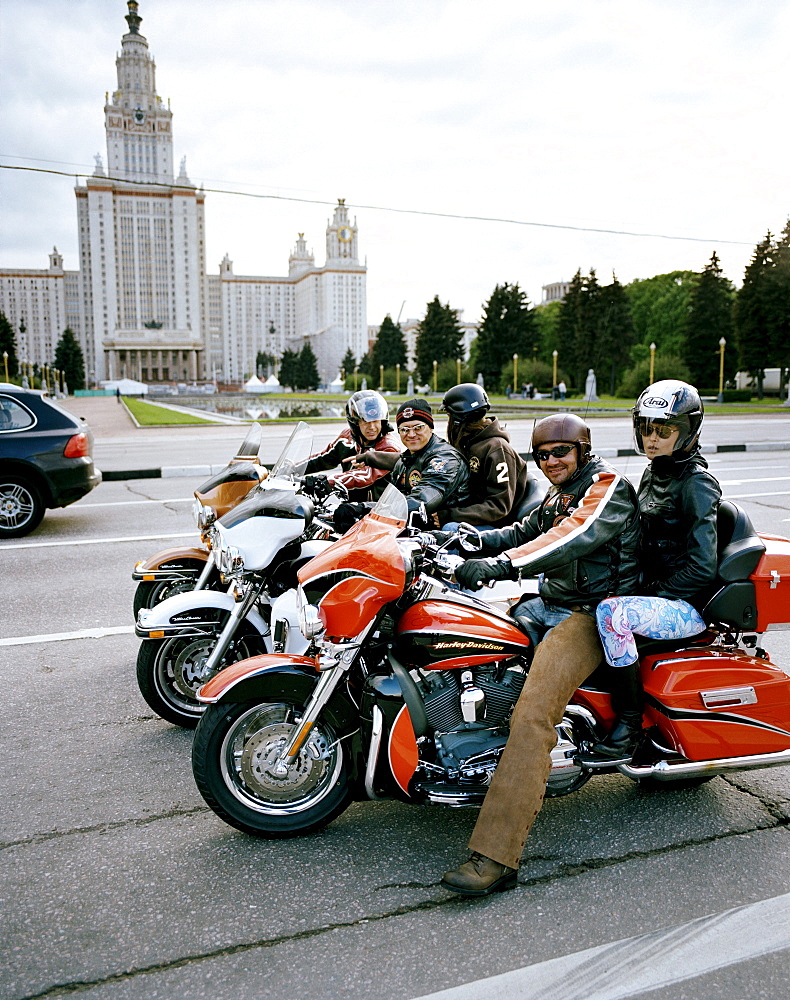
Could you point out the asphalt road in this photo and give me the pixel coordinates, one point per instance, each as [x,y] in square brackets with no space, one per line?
[116,881]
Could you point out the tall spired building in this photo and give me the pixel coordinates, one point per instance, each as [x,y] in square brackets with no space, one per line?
[142,303]
[141,237]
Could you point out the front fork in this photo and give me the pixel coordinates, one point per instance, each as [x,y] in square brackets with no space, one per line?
[205,573]
[237,615]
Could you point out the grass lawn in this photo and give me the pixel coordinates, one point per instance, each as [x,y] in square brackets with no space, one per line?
[151,415]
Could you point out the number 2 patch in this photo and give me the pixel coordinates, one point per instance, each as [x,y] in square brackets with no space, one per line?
[503,476]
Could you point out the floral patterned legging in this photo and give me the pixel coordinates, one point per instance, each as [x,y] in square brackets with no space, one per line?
[654,617]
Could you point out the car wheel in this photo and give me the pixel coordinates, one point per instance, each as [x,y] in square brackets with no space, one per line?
[21,507]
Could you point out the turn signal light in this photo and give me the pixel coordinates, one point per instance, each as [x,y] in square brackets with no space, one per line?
[77,447]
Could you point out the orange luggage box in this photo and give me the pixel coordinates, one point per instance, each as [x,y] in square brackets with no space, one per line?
[771,582]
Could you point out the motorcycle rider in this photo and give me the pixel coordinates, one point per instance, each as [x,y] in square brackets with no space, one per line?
[678,503]
[583,537]
[498,474]
[368,430]
[430,472]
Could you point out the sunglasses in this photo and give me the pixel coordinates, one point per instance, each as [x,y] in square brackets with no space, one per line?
[559,452]
[647,426]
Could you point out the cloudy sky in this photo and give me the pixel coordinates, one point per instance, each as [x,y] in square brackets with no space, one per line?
[475,141]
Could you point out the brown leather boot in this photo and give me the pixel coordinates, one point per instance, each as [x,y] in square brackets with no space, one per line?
[479,876]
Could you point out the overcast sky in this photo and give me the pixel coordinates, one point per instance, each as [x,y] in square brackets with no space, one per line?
[663,117]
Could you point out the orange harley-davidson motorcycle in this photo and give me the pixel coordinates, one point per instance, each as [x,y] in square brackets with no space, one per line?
[412,684]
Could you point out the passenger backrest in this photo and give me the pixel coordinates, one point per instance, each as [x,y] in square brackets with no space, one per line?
[529,500]
[733,601]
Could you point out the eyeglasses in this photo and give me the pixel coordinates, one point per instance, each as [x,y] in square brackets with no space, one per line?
[412,428]
[559,452]
[648,426]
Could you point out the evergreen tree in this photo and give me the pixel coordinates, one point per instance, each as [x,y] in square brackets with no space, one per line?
[69,359]
[709,319]
[438,338]
[390,347]
[508,328]
[570,323]
[348,364]
[264,364]
[753,314]
[289,369]
[614,335]
[8,346]
[779,305]
[307,369]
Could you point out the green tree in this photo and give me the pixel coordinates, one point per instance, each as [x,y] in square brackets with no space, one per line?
[780,302]
[570,323]
[659,306]
[709,319]
[614,334]
[264,364]
[753,314]
[69,359]
[638,378]
[546,322]
[389,349]
[508,328]
[307,369]
[439,337]
[8,346]
[289,369]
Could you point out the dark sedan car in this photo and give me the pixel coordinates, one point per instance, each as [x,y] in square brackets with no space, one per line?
[45,458]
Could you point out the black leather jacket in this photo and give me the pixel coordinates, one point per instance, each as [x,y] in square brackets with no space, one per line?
[583,537]
[678,503]
[437,475]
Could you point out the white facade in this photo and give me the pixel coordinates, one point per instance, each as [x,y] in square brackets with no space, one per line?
[142,304]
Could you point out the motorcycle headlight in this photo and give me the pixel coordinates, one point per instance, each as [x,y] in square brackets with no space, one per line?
[227,558]
[204,516]
[310,624]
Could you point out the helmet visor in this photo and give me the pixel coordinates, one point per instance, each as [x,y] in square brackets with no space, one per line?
[369,408]
[647,426]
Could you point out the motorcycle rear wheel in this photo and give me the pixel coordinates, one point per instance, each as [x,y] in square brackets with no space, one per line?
[169,672]
[149,593]
[234,758]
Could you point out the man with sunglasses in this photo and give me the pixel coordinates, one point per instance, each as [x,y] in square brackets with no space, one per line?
[581,544]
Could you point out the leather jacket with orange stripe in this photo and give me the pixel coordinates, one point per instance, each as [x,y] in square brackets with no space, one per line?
[362,482]
[582,539]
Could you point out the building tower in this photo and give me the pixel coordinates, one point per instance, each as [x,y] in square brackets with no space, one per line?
[143,293]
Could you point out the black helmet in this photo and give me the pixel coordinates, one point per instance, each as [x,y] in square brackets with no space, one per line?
[466,401]
[673,403]
[562,427]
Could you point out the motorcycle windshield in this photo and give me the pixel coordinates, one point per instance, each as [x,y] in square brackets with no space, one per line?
[355,577]
[251,445]
[295,455]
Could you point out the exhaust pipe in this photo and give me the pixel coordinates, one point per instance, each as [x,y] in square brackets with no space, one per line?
[666,771]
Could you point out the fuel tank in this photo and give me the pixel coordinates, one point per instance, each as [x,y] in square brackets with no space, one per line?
[442,635]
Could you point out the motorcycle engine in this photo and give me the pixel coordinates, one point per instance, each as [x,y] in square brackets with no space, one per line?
[468,711]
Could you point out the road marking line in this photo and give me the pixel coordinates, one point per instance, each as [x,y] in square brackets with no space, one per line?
[646,962]
[762,493]
[131,503]
[85,633]
[98,541]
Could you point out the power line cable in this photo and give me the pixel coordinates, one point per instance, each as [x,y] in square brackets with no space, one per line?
[379,208]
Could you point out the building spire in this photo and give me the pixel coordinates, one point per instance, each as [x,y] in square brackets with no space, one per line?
[133,19]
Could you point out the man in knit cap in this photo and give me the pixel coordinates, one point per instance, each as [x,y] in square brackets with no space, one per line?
[430,472]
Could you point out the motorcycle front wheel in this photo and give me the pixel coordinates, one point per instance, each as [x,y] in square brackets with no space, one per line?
[170,671]
[235,760]
[149,593]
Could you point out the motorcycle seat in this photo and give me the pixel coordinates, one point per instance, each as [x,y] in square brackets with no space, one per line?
[731,600]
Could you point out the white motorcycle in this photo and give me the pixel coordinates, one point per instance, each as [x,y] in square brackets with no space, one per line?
[256,547]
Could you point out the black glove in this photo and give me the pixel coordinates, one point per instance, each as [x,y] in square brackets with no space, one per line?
[317,486]
[475,572]
[347,514]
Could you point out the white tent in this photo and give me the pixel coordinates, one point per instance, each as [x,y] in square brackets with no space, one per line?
[272,384]
[253,385]
[128,386]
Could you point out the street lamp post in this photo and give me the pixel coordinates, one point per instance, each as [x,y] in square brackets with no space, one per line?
[5,362]
[554,355]
[356,372]
[457,371]
[435,383]
[722,345]
[515,373]
[652,361]
[381,376]
[397,378]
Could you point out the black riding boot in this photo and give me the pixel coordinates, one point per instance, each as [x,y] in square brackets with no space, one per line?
[627,701]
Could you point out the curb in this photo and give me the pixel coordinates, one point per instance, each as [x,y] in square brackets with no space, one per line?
[195,471]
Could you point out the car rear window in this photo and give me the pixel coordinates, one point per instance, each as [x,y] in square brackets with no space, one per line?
[14,416]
